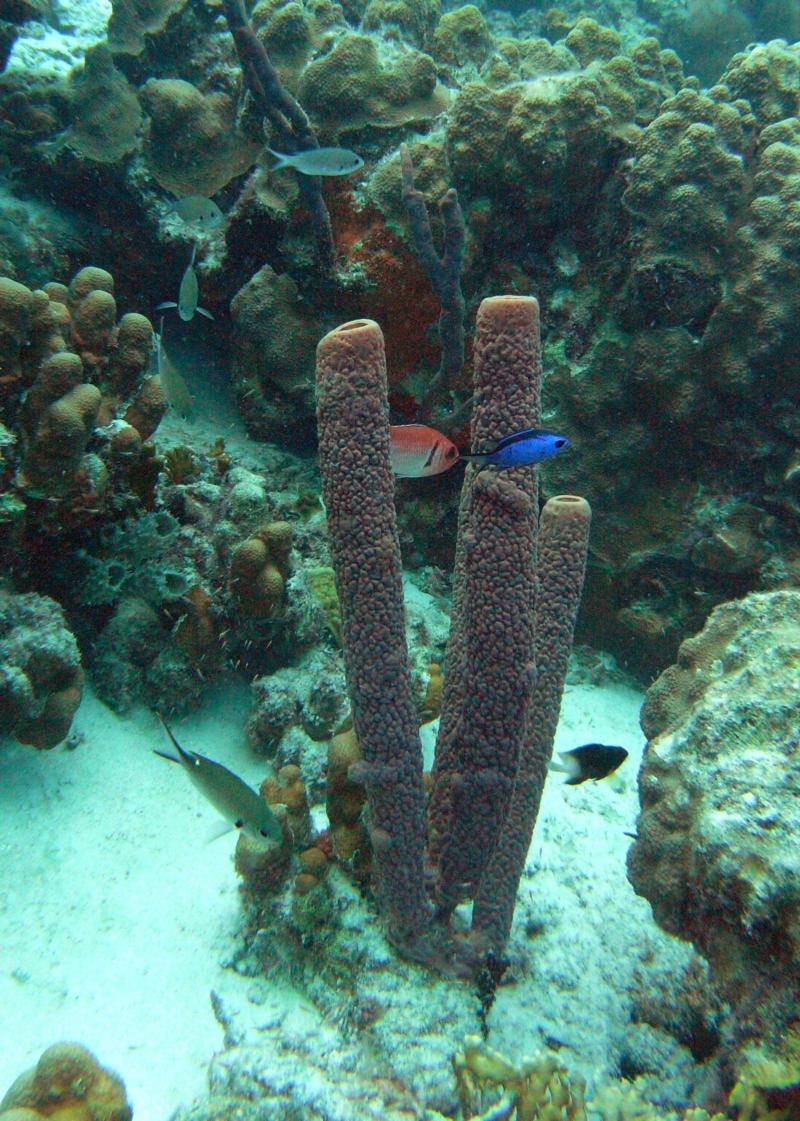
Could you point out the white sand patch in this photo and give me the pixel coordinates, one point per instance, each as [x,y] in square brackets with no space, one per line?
[115,911]
[114,908]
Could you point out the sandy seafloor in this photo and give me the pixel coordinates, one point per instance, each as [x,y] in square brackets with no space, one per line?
[116,910]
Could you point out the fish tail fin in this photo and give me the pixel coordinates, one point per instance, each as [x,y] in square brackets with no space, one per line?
[182,755]
[283,160]
[166,755]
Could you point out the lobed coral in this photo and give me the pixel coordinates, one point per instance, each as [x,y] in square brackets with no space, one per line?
[535,1089]
[67,1084]
[69,369]
[259,569]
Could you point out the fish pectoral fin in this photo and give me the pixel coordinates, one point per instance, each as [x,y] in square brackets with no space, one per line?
[217,832]
[202,311]
[165,305]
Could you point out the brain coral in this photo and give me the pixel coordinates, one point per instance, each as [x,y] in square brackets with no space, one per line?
[40,670]
[717,852]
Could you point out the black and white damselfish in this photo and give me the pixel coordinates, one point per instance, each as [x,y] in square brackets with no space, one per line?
[593,760]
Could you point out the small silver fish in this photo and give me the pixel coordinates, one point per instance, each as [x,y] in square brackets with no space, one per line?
[319,161]
[176,389]
[188,294]
[234,799]
[196,210]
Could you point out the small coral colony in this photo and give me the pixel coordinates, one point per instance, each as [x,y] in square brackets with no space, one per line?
[470,266]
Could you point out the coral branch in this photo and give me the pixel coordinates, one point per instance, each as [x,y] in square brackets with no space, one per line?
[443,272]
[291,124]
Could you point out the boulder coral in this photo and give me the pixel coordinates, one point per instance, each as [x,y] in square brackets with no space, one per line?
[193,146]
[40,670]
[544,131]
[67,1084]
[132,20]
[353,85]
[717,846]
[104,109]
[274,335]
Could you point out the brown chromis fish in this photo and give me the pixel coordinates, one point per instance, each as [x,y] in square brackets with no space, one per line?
[418,451]
[177,391]
[520,449]
[188,294]
[319,161]
[228,794]
[196,210]
[593,760]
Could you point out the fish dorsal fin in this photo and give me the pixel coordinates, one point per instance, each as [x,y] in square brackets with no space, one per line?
[517,437]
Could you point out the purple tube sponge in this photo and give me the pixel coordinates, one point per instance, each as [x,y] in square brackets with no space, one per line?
[358,490]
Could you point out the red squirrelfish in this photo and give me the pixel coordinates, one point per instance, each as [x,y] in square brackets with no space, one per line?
[418,450]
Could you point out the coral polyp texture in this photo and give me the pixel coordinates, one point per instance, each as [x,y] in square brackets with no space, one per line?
[40,670]
[67,1084]
[718,837]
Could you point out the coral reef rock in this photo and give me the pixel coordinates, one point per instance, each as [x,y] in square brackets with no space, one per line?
[40,670]
[67,1084]
[718,846]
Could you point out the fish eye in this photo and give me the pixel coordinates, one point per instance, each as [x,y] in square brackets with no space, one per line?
[263,832]
[450,453]
[238,824]
[560,443]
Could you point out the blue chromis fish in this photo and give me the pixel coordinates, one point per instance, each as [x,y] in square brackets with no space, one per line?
[188,294]
[319,161]
[520,449]
[196,210]
[228,794]
[418,451]
[593,760]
